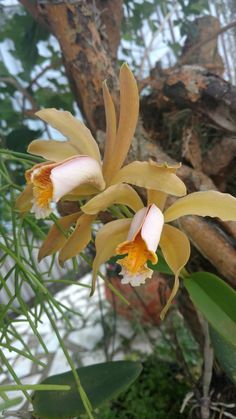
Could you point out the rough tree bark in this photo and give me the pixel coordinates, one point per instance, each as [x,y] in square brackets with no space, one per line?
[89,42]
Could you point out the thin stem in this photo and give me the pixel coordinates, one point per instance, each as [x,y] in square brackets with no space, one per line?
[84,398]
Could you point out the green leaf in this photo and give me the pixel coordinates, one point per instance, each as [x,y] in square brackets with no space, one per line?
[10,403]
[217,302]
[25,33]
[161,266]
[225,353]
[18,139]
[101,382]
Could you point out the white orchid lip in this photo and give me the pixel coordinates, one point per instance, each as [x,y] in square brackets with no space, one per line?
[53,181]
[135,280]
[142,241]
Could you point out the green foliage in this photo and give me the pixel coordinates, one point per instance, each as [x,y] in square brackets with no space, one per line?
[20,138]
[225,353]
[161,265]
[101,382]
[20,237]
[8,403]
[158,392]
[217,302]
[24,41]
[24,93]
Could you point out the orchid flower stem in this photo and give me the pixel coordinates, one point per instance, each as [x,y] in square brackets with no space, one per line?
[126,211]
[24,270]
[84,398]
[116,212]
[66,281]
[13,374]
[38,387]
[21,155]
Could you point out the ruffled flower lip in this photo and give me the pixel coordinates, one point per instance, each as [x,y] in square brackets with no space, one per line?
[135,279]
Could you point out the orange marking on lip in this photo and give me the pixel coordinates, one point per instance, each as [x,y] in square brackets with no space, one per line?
[137,255]
[42,186]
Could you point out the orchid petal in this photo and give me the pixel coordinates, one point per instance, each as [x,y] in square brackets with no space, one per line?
[78,240]
[55,239]
[78,134]
[156,197]
[151,176]
[152,227]
[149,222]
[24,200]
[68,175]
[141,245]
[129,109]
[53,150]
[137,223]
[106,242]
[175,247]
[116,194]
[110,127]
[207,203]
[81,192]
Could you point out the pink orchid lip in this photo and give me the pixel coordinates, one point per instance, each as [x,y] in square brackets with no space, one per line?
[137,223]
[74,172]
[152,227]
[149,222]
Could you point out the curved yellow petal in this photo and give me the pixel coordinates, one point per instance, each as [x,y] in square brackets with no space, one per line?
[151,176]
[129,109]
[175,247]
[81,192]
[56,239]
[53,150]
[78,240]
[110,127]
[106,242]
[156,197]
[116,194]
[207,203]
[73,129]
[24,200]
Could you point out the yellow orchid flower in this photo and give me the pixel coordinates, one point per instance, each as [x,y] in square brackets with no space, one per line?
[138,238]
[74,168]
[80,142]
[50,182]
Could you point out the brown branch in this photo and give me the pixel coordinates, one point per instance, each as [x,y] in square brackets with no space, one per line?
[218,162]
[213,243]
[197,46]
[34,10]
[209,95]
[208,357]
[22,90]
[80,28]
[44,70]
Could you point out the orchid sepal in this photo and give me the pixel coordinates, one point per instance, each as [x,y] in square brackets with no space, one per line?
[74,130]
[115,194]
[205,203]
